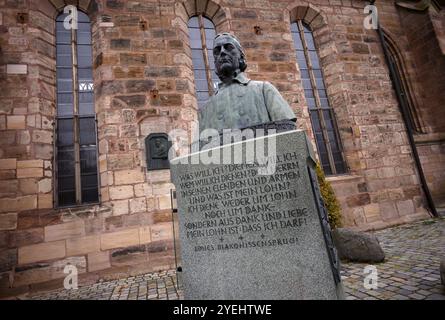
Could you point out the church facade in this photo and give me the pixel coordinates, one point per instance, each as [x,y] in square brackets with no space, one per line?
[91,89]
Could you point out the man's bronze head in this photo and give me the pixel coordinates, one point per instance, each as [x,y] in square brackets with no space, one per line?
[229,55]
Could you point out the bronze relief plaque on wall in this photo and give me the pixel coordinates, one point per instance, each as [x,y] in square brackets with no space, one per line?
[156,151]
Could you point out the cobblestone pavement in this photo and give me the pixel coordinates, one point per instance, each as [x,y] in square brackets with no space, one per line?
[411,267]
[410,271]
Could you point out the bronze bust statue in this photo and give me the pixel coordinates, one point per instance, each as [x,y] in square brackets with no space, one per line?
[240,102]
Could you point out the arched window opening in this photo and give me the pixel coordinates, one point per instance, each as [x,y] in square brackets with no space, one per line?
[322,119]
[76,144]
[202,33]
[405,94]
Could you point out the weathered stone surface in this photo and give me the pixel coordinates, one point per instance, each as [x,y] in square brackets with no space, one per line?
[133,59]
[8,221]
[128,176]
[42,136]
[251,233]
[122,192]
[120,44]
[8,164]
[9,189]
[98,261]
[138,205]
[8,259]
[45,201]
[110,87]
[30,173]
[168,100]
[67,230]
[79,246]
[40,272]
[133,101]
[20,238]
[162,231]
[41,252]
[145,235]
[16,122]
[120,239]
[45,185]
[135,86]
[120,207]
[357,246]
[154,71]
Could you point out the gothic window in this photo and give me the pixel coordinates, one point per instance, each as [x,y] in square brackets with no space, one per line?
[400,80]
[76,156]
[202,33]
[322,119]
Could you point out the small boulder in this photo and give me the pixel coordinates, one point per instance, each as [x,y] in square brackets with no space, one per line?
[357,246]
[442,270]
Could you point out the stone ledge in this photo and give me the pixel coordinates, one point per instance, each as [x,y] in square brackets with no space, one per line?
[429,138]
[343,178]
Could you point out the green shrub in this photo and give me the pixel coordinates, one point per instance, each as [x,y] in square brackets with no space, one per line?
[329,198]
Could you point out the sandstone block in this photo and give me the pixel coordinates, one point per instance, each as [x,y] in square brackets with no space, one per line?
[15,122]
[128,176]
[98,261]
[144,235]
[120,207]
[8,259]
[30,173]
[372,212]
[405,207]
[120,44]
[45,185]
[8,204]
[388,210]
[42,136]
[26,203]
[358,200]
[79,246]
[120,239]
[43,151]
[166,72]
[164,202]
[138,205]
[143,189]
[161,231]
[117,162]
[45,201]
[67,230]
[122,192]
[24,137]
[48,271]
[162,188]
[8,221]
[9,189]
[41,252]
[6,164]
[129,59]
[20,238]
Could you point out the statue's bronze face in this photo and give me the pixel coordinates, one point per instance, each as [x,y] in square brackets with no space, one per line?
[227,56]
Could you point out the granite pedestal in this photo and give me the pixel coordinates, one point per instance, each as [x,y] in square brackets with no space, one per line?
[248,232]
